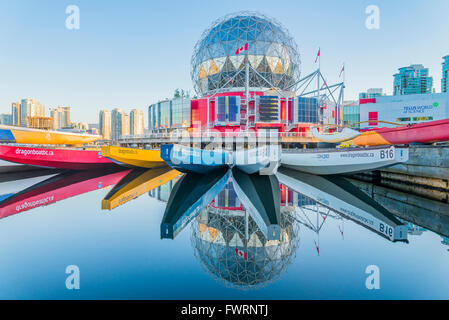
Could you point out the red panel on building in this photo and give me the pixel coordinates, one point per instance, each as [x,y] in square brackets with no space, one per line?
[370,100]
[372,118]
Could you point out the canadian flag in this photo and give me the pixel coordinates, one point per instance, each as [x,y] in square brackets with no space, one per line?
[241,253]
[244,48]
[317,55]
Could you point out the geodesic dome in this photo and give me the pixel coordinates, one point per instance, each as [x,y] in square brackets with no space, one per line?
[272,53]
[219,243]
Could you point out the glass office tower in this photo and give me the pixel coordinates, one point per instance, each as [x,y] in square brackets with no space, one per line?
[445,78]
[413,79]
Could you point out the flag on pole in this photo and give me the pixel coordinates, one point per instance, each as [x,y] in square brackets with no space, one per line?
[244,48]
[241,253]
[317,248]
[324,84]
[318,55]
[341,71]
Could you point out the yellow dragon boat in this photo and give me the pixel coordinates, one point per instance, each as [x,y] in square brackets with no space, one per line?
[133,157]
[12,134]
[136,183]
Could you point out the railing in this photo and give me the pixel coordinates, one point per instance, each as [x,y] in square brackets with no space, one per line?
[209,135]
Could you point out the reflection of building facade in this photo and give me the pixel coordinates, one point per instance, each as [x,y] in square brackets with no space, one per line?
[413,79]
[230,247]
[105,124]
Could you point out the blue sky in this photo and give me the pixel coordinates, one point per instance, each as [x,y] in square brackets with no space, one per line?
[129,54]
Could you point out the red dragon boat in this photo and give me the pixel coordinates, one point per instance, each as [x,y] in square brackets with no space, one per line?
[59,158]
[426,132]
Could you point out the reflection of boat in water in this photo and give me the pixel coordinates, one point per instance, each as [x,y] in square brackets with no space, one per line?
[340,195]
[260,195]
[231,247]
[189,196]
[59,158]
[6,166]
[338,161]
[12,134]
[133,157]
[62,186]
[136,183]
[22,180]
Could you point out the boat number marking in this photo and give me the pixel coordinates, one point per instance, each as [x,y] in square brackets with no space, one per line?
[387,154]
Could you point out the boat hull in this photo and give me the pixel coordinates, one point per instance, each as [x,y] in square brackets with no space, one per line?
[72,159]
[255,159]
[339,161]
[11,134]
[428,132]
[133,157]
[186,159]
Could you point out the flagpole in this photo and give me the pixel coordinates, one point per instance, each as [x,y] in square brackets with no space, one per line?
[247,89]
[318,75]
[343,93]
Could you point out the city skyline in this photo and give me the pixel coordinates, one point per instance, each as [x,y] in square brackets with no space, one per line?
[147,57]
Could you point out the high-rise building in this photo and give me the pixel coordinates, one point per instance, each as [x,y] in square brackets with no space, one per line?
[30,108]
[136,122]
[119,123]
[38,122]
[6,119]
[413,79]
[445,78]
[15,113]
[61,117]
[125,125]
[371,93]
[105,124]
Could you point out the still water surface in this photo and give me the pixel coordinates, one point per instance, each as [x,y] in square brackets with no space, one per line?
[222,247]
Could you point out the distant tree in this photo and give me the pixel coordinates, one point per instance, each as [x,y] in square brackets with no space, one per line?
[177,93]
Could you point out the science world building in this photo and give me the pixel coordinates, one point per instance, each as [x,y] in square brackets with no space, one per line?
[244,69]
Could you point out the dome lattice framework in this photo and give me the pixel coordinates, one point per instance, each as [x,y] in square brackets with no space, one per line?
[272,54]
[216,236]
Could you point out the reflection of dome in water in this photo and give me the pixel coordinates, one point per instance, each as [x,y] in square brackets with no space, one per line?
[271,53]
[219,243]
